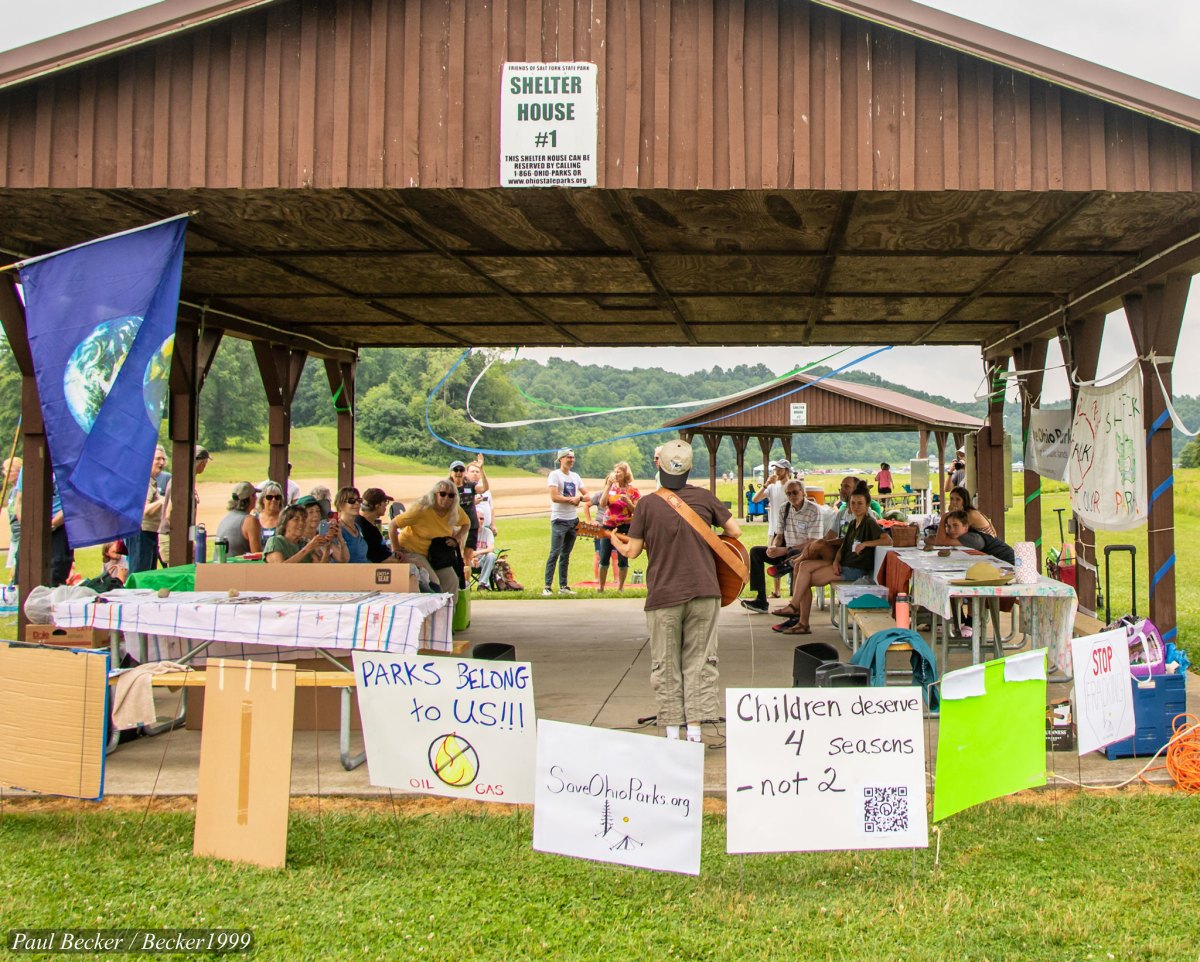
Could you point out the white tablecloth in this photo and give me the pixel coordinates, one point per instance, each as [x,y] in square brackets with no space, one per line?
[399,623]
[1047,609]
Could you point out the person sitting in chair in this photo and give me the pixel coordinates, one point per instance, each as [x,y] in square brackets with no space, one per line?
[799,523]
[855,560]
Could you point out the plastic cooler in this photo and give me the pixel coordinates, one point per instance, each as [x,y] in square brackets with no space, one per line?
[1154,708]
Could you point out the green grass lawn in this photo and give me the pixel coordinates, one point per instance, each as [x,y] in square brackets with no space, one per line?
[1057,877]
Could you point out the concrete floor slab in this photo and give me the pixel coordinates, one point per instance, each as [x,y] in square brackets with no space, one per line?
[591,666]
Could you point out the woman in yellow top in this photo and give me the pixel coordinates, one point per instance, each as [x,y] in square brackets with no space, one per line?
[427,534]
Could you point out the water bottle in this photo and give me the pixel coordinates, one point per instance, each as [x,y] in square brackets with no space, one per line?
[200,544]
[903,611]
[220,550]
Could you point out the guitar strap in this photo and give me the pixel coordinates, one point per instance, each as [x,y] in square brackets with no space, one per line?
[718,547]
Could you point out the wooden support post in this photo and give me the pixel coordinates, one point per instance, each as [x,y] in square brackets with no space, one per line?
[766,443]
[989,453]
[786,441]
[33,560]
[1081,352]
[940,439]
[1155,317]
[280,368]
[1031,357]
[712,442]
[191,360]
[923,444]
[341,386]
[739,447]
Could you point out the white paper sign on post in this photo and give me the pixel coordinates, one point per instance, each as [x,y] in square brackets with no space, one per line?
[548,125]
[818,769]
[460,727]
[1048,447]
[1103,694]
[618,797]
[1107,465]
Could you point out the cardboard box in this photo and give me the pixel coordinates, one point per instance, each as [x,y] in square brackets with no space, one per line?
[302,577]
[1060,726]
[53,720]
[66,637]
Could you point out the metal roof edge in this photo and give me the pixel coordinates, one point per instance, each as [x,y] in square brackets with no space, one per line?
[1026,56]
[106,37]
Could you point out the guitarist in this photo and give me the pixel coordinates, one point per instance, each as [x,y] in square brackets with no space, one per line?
[683,594]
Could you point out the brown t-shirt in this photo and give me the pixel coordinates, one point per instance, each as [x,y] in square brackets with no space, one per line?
[682,566]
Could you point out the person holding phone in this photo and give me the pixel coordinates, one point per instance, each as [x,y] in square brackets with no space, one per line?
[288,544]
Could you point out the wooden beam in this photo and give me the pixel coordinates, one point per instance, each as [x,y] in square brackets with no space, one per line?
[713,443]
[341,388]
[1155,317]
[1031,357]
[739,447]
[1080,341]
[833,250]
[280,368]
[33,558]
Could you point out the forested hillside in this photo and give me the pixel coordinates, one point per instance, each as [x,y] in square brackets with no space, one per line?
[393,386]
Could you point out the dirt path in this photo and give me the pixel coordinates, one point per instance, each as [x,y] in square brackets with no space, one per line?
[513,497]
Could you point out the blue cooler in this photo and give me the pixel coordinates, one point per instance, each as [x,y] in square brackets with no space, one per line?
[1154,709]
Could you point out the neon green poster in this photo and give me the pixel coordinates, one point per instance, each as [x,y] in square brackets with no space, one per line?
[992,735]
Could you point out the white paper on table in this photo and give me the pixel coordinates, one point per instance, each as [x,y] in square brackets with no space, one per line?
[618,797]
[1103,695]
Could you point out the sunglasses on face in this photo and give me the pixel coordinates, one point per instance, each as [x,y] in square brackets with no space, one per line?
[458,470]
[272,497]
[446,494]
[352,501]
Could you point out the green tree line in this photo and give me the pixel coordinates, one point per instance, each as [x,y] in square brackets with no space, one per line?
[393,385]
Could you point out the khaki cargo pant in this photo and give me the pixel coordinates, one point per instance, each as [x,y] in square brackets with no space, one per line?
[683,661]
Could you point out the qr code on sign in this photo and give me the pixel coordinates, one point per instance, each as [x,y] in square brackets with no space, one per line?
[885,808]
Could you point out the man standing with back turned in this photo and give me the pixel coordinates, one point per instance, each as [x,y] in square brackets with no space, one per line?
[683,596]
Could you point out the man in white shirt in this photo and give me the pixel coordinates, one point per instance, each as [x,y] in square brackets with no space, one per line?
[292,489]
[800,522]
[773,493]
[566,494]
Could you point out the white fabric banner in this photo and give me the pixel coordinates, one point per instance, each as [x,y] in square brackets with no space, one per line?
[618,797]
[1049,445]
[1107,467]
[1103,694]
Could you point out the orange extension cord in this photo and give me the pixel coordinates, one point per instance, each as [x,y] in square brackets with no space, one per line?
[1183,753]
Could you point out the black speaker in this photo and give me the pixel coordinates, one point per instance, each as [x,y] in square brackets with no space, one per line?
[494,651]
[838,675]
[807,659]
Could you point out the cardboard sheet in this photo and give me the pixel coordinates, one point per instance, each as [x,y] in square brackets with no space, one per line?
[53,720]
[245,762]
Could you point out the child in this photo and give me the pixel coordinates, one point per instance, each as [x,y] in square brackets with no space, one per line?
[116,564]
[883,478]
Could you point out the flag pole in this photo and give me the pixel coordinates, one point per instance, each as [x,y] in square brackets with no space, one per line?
[133,230]
[4,484]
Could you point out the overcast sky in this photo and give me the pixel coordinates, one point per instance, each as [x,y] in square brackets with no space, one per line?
[1151,39]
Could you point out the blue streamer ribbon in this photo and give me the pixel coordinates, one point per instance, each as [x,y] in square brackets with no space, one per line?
[496,452]
[1162,572]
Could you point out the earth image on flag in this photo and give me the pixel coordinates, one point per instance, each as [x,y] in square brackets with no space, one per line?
[94,365]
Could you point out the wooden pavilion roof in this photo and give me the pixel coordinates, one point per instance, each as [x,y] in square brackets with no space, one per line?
[804,173]
[830,405]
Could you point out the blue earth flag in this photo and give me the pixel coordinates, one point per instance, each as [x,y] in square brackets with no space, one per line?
[101,324]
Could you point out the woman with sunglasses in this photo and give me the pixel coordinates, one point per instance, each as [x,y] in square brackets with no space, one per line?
[288,544]
[431,535]
[270,505]
[348,504]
